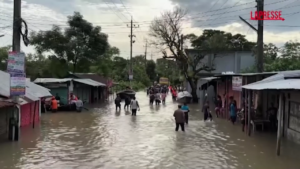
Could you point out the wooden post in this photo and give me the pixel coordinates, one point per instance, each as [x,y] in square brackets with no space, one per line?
[33,123]
[245,108]
[226,99]
[249,113]
[279,129]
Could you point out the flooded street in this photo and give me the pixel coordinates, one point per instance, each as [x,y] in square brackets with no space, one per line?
[104,139]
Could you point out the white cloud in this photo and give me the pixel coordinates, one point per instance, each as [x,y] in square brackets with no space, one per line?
[113,18]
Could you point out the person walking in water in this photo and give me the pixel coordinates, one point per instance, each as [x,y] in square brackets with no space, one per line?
[232,109]
[185,108]
[54,105]
[206,111]
[164,94]
[179,118]
[218,105]
[79,105]
[127,102]
[118,103]
[157,98]
[134,105]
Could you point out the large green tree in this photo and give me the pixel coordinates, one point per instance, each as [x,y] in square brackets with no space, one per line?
[79,44]
[289,58]
[280,59]
[166,32]
[151,70]
[220,41]
[169,69]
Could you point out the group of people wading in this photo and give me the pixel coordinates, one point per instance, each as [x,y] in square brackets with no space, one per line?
[133,104]
[55,103]
[157,94]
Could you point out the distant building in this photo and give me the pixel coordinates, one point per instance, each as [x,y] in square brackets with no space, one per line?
[232,61]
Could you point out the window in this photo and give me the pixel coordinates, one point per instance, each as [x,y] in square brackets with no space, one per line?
[294,116]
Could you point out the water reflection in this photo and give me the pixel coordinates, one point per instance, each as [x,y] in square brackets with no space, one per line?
[104,138]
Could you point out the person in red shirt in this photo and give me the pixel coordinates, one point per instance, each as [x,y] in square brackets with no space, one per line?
[174,94]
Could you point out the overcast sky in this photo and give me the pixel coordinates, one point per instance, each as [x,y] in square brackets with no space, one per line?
[114,15]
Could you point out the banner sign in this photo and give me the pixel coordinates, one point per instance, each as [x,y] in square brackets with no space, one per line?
[17,84]
[237,83]
[164,81]
[16,69]
[16,62]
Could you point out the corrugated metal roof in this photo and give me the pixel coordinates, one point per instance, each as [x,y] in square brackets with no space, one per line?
[254,74]
[32,90]
[22,100]
[92,76]
[6,104]
[51,80]
[284,84]
[30,95]
[282,75]
[209,78]
[89,82]
[37,90]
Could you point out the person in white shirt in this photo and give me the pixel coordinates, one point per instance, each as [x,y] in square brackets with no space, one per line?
[79,105]
[134,105]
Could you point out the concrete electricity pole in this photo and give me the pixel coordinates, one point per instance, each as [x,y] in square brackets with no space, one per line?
[16,46]
[131,26]
[260,36]
[17,21]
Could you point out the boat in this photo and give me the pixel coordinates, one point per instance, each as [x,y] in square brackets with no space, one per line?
[184,97]
[126,93]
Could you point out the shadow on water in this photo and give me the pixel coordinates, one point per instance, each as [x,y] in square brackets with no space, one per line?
[103,138]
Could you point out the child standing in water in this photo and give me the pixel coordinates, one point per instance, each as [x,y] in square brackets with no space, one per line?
[206,111]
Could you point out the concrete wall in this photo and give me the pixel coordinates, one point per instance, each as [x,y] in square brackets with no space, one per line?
[83,92]
[292,122]
[227,61]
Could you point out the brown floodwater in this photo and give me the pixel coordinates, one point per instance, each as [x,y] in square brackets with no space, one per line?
[105,139]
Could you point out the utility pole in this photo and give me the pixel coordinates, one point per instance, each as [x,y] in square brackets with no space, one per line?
[17,21]
[151,56]
[131,43]
[146,46]
[16,46]
[260,36]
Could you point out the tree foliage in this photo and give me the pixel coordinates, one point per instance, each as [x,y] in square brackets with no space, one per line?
[79,44]
[220,41]
[81,47]
[280,59]
[167,34]
[3,56]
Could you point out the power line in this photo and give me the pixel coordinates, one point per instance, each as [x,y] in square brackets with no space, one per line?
[197,14]
[198,17]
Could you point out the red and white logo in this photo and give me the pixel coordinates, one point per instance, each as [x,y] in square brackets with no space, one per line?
[266,15]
